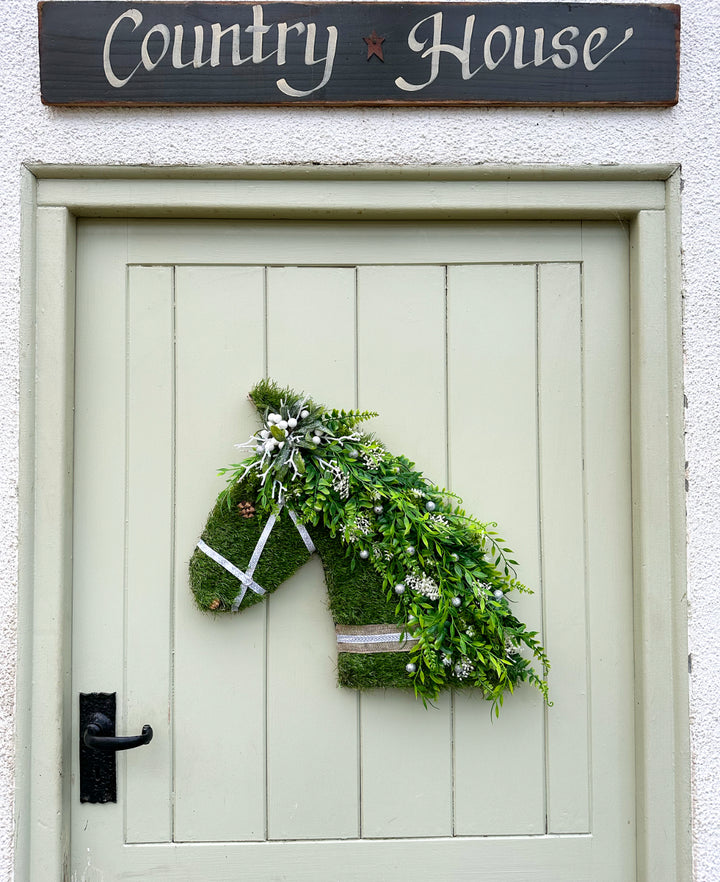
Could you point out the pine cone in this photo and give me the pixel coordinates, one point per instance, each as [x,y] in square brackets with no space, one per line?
[215,604]
[246,509]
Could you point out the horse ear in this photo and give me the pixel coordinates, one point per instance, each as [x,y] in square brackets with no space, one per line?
[268,395]
[225,572]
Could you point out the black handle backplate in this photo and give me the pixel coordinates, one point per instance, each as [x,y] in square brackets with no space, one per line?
[98,745]
[98,780]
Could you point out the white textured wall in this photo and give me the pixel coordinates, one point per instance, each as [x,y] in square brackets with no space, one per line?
[688,133]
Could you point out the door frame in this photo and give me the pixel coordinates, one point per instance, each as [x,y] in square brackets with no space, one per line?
[646,198]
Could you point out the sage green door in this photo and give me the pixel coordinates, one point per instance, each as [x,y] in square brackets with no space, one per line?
[497,357]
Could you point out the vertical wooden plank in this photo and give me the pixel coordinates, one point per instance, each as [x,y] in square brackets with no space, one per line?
[562,515]
[149,538]
[219,727]
[401,360]
[494,467]
[401,371]
[312,725]
[311,331]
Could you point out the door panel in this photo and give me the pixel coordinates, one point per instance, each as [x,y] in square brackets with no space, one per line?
[497,356]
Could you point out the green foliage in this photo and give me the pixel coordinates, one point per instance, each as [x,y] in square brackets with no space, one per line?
[354,495]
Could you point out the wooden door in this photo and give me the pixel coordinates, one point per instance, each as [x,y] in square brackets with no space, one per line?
[497,356]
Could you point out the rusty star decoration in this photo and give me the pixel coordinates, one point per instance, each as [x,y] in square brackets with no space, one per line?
[374,44]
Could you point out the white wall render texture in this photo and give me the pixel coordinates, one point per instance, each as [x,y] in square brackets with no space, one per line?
[687,134]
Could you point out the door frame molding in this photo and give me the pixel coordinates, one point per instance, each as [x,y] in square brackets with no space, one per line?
[645,197]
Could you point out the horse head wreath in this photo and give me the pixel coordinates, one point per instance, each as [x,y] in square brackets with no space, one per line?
[418,589]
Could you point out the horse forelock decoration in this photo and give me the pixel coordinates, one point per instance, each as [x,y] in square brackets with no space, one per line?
[420,591]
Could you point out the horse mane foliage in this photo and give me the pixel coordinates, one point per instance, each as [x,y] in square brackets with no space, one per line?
[387,536]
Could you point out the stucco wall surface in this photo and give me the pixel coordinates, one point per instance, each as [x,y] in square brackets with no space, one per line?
[686,134]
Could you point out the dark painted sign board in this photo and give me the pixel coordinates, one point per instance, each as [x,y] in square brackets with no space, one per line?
[125,53]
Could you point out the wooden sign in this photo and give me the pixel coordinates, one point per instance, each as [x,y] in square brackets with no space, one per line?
[105,53]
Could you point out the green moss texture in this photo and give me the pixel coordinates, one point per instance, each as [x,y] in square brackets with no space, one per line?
[379,669]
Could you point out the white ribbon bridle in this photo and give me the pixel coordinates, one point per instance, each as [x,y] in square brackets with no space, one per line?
[246,577]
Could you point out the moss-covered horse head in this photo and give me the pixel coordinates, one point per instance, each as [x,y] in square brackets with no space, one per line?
[419,590]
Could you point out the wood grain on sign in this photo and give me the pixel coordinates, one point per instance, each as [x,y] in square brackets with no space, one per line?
[167,53]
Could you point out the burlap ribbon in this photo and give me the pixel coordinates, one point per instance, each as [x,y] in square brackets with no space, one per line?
[367,639]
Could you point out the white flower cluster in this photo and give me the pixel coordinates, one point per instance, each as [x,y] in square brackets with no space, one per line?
[417,493]
[341,482]
[463,669]
[447,660]
[423,584]
[356,529]
[373,456]
[439,519]
[362,522]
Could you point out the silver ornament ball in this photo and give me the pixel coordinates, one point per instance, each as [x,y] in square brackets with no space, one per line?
[430,505]
[498,593]
[456,601]
[364,554]
[410,550]
[454,558]
[378,509]
[316,439]
[353,454]
[410,668]
[399,588]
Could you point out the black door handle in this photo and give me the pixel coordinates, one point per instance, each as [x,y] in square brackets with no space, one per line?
[96,735]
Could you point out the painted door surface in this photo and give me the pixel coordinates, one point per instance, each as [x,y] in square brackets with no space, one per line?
[497,356]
